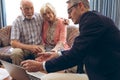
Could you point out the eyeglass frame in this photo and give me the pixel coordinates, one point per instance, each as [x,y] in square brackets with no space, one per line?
[70,9]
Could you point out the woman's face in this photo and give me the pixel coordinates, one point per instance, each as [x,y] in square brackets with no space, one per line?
[49,15]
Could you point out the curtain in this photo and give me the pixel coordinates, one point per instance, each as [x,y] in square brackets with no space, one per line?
[2,14]
[109,8]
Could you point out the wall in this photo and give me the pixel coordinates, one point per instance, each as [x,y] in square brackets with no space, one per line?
[13,8]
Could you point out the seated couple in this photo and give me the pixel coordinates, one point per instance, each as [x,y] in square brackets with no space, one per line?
[34,34]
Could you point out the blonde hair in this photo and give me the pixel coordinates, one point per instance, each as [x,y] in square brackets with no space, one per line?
[85,2]
[46,7]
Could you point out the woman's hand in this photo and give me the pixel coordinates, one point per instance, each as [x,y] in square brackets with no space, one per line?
[46,56]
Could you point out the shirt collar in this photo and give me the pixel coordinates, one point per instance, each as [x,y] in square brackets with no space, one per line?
[23,17]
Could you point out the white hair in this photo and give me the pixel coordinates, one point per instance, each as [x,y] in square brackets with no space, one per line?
[25,1]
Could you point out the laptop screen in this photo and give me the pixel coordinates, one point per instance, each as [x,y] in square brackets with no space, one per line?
[18,73]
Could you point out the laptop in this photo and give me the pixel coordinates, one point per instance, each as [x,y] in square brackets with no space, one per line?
[18,73]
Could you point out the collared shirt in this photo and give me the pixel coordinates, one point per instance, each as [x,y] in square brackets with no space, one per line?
[27,31]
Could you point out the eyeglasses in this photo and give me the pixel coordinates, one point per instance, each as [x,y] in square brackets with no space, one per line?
[70,9]
[27,8]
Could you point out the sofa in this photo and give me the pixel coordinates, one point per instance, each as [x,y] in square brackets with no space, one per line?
[72,32]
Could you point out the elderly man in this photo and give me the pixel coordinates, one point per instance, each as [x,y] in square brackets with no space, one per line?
[26,33]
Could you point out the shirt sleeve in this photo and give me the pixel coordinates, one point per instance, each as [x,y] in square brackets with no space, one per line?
[44,65]
[59,53]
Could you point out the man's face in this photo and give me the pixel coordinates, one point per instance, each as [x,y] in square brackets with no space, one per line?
[73,12]
[27,10]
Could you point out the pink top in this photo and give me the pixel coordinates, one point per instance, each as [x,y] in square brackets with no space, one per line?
[59,33]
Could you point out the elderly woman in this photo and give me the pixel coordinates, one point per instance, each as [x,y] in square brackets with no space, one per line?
[54,29]
[54,32]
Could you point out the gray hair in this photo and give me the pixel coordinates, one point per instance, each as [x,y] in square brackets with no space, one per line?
[47,6]
[25,1]
[85,2]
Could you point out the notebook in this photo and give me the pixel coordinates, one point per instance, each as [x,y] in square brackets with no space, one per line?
[18,73]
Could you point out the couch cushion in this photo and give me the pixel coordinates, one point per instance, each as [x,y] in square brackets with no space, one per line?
[72,32]
[5,36]
[5,53]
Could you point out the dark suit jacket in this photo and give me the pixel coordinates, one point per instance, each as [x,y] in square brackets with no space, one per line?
[97,46]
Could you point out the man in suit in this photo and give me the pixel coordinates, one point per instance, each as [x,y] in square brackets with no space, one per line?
[97,46]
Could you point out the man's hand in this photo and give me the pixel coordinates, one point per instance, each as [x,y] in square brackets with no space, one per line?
[66,21]
[32,48]
[32,65]
[46,56]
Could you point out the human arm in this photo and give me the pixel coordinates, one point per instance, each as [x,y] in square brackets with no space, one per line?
[44,56]
[60,36]
[32,48]
[65,21]
[33,65]
[24,35]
